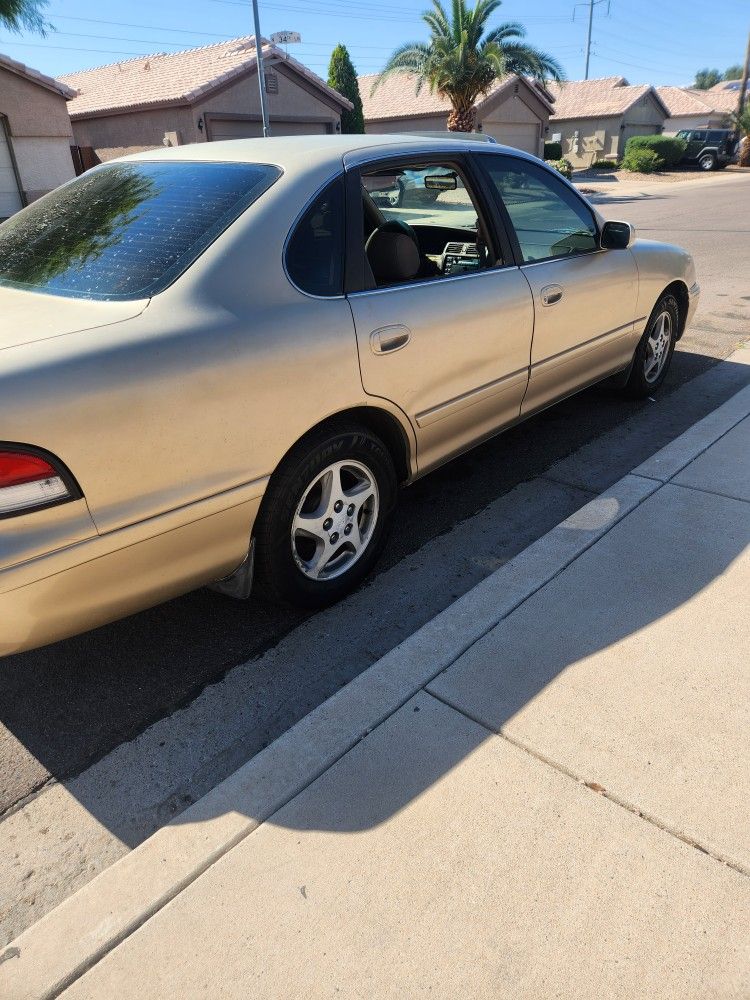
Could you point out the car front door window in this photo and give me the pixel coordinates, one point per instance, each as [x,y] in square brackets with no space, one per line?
[549,219]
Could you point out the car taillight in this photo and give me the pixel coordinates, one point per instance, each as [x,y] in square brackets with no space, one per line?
[29,479]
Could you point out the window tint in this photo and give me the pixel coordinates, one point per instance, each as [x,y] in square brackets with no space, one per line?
[716,136]
[549,219]
[420,222]
[127,230]
[315,253]
[701,136]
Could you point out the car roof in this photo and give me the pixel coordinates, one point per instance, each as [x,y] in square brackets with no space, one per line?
[303,151]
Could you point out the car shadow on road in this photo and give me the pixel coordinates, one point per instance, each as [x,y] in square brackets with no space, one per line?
[66,706]
[669,551]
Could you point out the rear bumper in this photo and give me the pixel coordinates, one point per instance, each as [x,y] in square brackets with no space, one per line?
[105,577]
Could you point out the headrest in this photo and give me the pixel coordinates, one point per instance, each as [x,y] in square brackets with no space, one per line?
[393,253]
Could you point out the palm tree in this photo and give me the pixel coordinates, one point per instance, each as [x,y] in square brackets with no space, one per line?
[19,15]
[462,60]
[742,123]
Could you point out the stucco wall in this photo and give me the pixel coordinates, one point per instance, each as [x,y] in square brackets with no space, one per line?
[677,122]
[511,109]
[116,135]
[428,123]
[604,138]
[31,109]
[516,119]
[40,134]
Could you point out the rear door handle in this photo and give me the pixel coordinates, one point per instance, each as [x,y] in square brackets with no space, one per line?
[551,294]
[389,338]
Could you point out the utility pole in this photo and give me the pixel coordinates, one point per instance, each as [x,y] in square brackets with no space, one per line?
[590,4]
[588,38]
[261,74]
[743,85]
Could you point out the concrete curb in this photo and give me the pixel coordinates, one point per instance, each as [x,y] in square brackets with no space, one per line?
[57,950]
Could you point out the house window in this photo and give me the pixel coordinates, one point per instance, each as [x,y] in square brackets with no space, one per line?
[272,83]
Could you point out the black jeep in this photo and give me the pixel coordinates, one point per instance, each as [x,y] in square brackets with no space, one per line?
[710,148]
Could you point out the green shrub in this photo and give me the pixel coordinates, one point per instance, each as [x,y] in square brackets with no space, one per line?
[668,148]
[553,151]
[642,161]
[604,165]
[562,166]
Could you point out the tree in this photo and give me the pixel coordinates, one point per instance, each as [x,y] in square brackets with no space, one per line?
[706,78]
[732,72]
[462,60]
[20,15]
[343,77]
[742,121]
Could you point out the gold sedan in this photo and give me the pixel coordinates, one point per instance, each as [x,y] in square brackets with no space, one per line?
[220,362]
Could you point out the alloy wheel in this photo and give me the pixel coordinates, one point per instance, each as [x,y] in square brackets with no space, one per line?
[657,346]
[335,520]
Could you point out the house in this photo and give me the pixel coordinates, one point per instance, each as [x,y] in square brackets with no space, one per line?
[35,135]
[692,108]
[595,118]
[199,95]
[515,111]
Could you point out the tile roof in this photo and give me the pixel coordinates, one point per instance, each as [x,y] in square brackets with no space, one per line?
[682,101]
[601,98]
[36,77]
[724,100]
[396,97]
[690,101]
[165,78]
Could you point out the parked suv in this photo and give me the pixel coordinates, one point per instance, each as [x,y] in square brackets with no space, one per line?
[711,149]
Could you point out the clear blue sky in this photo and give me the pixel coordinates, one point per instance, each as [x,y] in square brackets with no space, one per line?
[655,41]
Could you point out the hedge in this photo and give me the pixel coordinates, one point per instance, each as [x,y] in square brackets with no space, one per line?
[642,161]
[553,151]
[668,148]
[604,165]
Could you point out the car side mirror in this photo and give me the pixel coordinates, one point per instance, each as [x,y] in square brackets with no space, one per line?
[616,235]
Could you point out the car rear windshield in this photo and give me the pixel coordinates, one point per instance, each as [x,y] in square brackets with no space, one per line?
[126,230]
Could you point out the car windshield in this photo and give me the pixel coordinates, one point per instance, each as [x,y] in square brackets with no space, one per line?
[126,230]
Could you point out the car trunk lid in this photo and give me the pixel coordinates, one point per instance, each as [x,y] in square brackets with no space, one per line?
[26,317]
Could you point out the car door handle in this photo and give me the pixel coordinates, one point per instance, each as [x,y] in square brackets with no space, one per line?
[389,338]
[551,294]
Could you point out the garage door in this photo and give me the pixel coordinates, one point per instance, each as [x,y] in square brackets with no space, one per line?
[10,198]
[227,128]
[520,136]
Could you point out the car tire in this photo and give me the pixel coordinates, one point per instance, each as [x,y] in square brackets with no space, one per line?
[653,355]
[707,162]
[325,516]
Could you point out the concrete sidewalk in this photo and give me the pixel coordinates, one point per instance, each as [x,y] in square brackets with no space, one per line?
[543,793]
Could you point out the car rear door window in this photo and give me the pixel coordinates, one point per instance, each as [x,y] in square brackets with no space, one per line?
[126,230]
[549,219]
[421,222]
[315,251]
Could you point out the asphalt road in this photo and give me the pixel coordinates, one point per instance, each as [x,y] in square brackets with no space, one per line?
[243,672]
